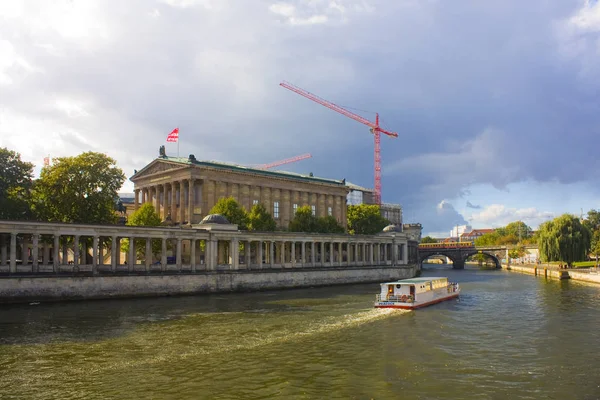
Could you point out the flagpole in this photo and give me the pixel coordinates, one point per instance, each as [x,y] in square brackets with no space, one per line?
[177,142]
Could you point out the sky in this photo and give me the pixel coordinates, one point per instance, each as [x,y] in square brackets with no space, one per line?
[494,102]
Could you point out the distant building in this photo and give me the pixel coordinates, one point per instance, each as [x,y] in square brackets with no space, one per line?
[459,230]
[474,234]
[361,195]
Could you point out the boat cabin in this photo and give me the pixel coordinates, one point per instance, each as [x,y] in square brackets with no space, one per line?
[409,289]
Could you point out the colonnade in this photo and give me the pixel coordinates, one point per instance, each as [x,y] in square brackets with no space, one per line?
[175,198]
[27,247]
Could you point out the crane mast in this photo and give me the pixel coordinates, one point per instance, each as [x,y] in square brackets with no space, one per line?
[376,129]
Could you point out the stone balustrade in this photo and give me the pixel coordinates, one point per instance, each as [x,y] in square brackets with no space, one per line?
[46,248]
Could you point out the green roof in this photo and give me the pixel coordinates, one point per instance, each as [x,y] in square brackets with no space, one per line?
[241,168]
[414,281]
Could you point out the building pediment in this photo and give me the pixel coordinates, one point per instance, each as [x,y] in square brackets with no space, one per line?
[157,166]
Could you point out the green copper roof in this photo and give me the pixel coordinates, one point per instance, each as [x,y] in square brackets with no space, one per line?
[241,168]
[413,281]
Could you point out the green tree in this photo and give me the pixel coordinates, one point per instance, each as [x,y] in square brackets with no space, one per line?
[15,185]
[232,210]
[304,221]
[329,224]
[489,239]
[79,189]
[428,239]
[145,215]
[518,229]
[365,219]
[260,220]
[564,239]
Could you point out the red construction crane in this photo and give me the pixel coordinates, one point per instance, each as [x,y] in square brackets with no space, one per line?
[286,161]
[376,130]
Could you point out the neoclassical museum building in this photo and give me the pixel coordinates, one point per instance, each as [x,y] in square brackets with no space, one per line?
[183,190]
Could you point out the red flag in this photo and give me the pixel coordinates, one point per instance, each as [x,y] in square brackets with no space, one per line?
[173,136]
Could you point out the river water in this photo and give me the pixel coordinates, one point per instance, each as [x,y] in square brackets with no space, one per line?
[509,336]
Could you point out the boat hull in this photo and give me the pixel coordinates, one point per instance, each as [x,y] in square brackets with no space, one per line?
[412,306]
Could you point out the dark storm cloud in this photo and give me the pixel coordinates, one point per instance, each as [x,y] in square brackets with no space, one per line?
[469,205]
[479,92]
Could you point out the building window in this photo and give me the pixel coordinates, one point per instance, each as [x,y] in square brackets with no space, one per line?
[329,211]
[314,210]
[254,202]
[295,207]
[275,209]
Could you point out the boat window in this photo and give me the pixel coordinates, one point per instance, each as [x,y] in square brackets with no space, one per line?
[398,286]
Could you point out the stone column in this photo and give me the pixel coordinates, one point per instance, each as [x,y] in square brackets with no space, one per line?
[331,254]
[259,254]
[165,202]
[136,195]
[271,254]
[211,256]
[35,253]
[156,190]
[405,253]
[303,254]
[132,258]
[193,255]
[148,254]
[385,253]
[247,253]
[144,195]
[55,251]
[163,255]
[312,254]
[341,254]
[181,202]
[25,250]
[100,251]
[394,252]
[234,253]
[95,242]
[190,201]
[3,250]
[293,253]
[45,253]
[323,258]
[355,254]
[178,254]
[114,253]
[76,252]
[174,201]
[371,254]
[13,253]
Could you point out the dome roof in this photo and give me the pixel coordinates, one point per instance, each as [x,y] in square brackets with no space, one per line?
[215,219]
[392,228]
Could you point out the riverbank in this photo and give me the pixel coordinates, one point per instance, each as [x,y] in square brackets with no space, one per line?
[584,275]
[59,288]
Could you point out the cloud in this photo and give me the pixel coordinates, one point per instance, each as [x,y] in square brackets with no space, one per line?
[516,103]
[469,205]
[497,215]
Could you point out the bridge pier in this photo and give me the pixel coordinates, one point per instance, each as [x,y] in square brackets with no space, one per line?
[458,264]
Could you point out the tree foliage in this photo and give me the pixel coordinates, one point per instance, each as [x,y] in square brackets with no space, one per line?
[15,185]
[365,219]
[564,239]
[145,215]
[329,224]
[260,220]
[232,210]
[488,239]
[428,239]
[305,221]
[80,189]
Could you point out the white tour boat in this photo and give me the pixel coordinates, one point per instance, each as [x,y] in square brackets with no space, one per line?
[416,292]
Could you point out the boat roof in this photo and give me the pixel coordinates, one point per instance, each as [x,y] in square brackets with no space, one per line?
[415,281]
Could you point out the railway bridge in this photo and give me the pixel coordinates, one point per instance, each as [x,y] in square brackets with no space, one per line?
[458,252]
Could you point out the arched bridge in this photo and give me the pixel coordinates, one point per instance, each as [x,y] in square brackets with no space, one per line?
[458,252]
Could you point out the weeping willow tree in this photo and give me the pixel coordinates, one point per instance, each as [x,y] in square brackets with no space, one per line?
[564,239]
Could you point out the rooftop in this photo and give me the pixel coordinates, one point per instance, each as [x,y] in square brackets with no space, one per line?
[242,168]
[413,281]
